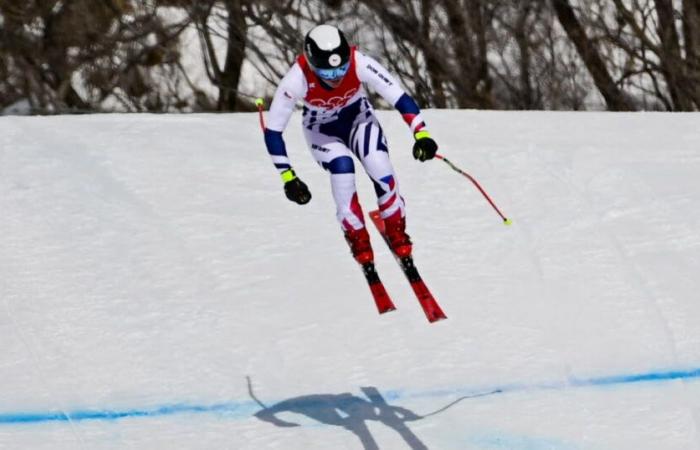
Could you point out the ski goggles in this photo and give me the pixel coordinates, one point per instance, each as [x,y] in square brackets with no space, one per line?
[334,73]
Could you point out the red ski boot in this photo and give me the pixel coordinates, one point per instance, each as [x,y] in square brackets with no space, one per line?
[400,242]
[359,245]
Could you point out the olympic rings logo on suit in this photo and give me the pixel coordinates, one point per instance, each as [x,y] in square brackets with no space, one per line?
[333,102]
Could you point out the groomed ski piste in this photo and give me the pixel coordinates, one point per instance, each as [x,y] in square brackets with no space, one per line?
[158,291]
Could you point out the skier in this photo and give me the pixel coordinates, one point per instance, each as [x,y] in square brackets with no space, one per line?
[339,122]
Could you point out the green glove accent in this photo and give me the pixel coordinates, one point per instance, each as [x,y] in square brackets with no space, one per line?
[288,175]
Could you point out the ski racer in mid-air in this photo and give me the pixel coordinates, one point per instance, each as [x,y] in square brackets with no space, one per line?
[339,123]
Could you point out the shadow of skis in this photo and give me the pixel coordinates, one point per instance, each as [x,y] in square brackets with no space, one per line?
[347,411]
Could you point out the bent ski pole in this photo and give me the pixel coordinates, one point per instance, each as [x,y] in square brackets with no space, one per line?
[506,221]
[260,103]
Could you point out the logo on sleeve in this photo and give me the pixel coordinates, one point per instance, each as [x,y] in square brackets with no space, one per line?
[379,75]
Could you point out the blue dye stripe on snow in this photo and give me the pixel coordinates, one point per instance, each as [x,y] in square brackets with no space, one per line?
[232,409]
[244,409]
[614,380]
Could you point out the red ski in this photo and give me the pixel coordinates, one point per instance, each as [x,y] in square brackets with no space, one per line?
[430,306]
[381,298]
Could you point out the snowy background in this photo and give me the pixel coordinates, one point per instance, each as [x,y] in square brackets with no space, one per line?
[157,291]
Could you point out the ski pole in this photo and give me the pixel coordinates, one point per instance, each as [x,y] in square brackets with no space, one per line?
[260,103]
[506,221]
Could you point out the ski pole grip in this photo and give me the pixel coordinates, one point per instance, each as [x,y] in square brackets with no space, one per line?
[260,103]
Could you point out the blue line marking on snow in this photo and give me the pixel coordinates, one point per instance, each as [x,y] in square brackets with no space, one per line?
[231,409]
[244,409]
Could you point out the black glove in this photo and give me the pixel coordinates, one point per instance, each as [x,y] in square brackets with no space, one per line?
[425,147]
[294,188]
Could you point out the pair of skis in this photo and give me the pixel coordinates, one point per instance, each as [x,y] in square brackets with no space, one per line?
[381,298]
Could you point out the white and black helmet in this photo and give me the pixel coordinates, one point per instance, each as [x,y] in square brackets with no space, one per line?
[325,47]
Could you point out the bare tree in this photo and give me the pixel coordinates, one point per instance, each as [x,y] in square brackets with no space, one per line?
[74,56]
[127,55]
[222,20]
[614,97]
[652,40]
[438,47]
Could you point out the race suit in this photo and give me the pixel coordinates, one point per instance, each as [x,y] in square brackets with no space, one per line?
[340,123]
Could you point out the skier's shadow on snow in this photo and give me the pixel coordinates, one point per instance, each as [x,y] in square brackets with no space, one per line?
[350,412]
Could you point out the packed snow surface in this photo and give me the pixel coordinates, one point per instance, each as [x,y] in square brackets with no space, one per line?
[158,291]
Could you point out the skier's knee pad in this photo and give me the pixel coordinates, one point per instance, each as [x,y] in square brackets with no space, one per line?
[342,164]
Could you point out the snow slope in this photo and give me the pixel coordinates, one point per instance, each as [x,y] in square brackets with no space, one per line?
[157,291]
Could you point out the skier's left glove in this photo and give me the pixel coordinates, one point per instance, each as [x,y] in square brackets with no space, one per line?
[294,188]
[425,147]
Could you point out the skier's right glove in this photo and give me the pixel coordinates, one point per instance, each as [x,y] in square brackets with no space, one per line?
[425,147]
[294,188]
